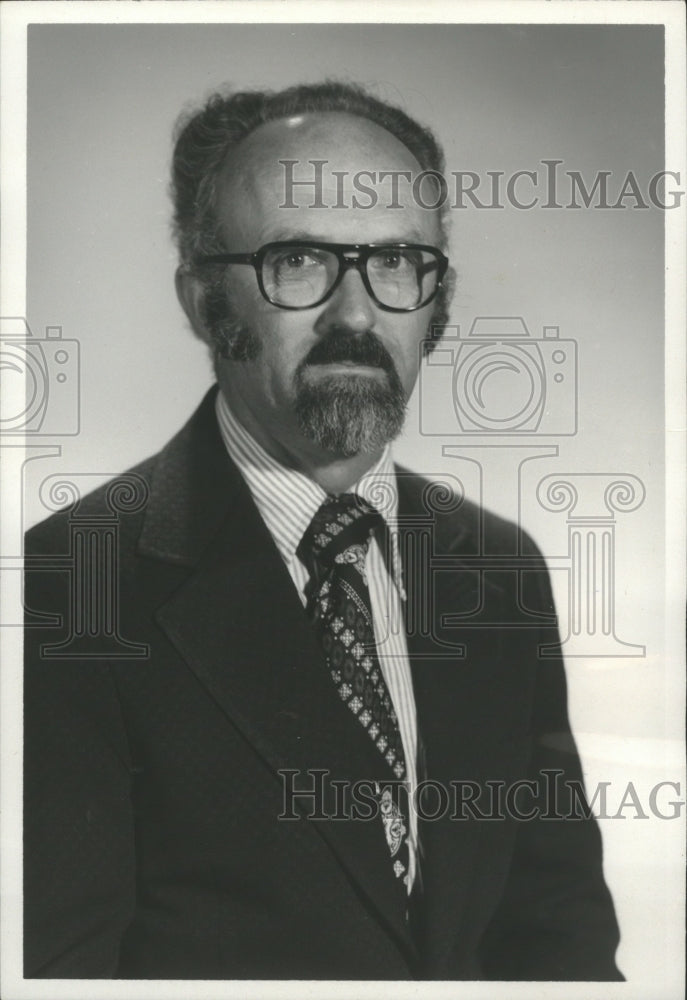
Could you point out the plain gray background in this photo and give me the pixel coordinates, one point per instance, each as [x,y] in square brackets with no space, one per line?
[102,101]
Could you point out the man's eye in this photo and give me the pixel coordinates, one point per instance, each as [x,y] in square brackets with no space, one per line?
[392,260]
[296,261]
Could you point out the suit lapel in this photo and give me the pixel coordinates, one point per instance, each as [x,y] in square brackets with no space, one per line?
[238,623]
[452,677]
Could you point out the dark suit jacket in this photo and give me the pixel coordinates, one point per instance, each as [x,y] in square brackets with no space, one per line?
[153,847]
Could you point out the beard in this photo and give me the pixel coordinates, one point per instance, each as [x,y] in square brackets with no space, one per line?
[349,414]
[343,414]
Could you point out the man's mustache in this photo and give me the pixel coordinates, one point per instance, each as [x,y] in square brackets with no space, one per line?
[341,346]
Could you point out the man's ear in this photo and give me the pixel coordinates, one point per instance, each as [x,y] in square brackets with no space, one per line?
[191,295]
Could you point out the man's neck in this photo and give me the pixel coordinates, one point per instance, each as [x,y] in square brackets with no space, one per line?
[338,475]
[334,473]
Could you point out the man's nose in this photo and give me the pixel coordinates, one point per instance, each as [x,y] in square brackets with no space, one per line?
[350,306]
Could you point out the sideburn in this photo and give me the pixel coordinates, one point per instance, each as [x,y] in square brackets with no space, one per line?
[231,339]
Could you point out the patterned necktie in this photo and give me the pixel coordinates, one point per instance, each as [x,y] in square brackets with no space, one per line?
[333,549]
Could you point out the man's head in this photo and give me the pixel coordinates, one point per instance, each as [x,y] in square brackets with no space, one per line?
[330,370]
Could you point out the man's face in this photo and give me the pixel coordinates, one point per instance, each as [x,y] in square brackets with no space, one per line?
[334,378]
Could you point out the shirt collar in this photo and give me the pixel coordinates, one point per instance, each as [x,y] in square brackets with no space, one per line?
[288,499]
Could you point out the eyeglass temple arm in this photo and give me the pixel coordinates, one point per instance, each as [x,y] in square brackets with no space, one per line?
[424,269]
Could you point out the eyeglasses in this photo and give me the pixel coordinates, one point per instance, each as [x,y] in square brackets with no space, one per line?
[399,277]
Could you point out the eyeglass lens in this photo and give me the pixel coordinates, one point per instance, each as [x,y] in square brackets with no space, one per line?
[402,278]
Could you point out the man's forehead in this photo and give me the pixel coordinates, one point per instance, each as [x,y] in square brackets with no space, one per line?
[284,173]
[348,143]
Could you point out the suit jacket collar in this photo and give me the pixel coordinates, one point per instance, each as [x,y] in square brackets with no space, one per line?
[191,491]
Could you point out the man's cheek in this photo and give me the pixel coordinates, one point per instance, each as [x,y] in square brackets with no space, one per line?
[406,362]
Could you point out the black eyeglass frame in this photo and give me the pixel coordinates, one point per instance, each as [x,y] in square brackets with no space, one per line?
[363,253]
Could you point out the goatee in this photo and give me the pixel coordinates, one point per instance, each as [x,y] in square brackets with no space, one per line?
[350,414]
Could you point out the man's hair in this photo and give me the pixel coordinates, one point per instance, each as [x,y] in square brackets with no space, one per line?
[204,139]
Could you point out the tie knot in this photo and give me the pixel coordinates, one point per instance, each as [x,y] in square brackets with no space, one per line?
[341,522]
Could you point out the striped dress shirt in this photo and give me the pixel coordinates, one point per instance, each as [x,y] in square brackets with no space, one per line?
[287,501]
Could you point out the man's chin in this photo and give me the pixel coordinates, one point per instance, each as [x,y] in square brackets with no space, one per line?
[350,413]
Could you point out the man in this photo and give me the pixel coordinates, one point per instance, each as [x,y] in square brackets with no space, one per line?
[243,801]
